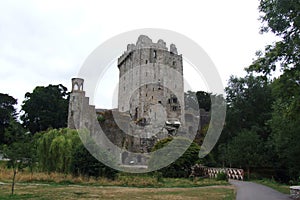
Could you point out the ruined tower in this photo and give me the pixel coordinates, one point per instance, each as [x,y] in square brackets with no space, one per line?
[151,83]
[150,101]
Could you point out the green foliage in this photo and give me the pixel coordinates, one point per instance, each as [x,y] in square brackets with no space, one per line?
[45,107]
[285,139]
[18,150]
[7,113]
[182,166]
[222,176]
[245,150]
[249,102]
[100,118]
[196,100]
[55,148]
[83,163]
[282,18]
[61,150]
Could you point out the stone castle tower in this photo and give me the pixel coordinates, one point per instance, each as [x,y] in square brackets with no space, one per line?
[151,83]
[150,101]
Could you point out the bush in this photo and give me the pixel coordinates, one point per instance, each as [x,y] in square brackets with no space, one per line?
[181,168]
[100,118]
[83,163]
[222,176]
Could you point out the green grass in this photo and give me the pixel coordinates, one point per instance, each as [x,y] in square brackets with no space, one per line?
[123,179]
[275,185]
[31,191]
[41,185]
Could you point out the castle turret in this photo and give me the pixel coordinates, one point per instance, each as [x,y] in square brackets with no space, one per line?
[77,97]
[150,75]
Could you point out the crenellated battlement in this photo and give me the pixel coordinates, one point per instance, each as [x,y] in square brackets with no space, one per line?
[144,42]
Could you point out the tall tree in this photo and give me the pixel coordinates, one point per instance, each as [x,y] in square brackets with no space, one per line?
[45,107]
[249,104]
[7,113]
[249,108]
[245,150]
[282,17]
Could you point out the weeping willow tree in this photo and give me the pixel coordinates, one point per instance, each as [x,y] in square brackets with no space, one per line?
[55,149]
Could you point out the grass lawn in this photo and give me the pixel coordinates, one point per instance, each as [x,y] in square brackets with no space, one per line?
[35,191]
[57,186]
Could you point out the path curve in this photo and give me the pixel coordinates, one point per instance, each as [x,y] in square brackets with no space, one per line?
[253,191]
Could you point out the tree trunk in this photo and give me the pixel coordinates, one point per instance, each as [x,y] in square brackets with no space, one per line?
[248,172]
[13,182]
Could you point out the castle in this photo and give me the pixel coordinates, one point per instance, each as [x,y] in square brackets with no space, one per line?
[151,75]
[150,100]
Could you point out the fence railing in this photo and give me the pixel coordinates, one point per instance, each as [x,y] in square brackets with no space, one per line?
[211,172]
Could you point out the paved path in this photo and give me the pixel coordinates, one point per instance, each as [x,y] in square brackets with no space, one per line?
[253,191]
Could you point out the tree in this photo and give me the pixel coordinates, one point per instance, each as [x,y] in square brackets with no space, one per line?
[285,125]
[55,149]
[245,150]
[249,108]
[7,113]
[197,100]
[18,150]
[45,107]
[204,100]
[182,166]
[282,18]
[249,102]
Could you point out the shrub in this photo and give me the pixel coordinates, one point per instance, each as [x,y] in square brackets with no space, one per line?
[222,176]
[181,168]
[83,163]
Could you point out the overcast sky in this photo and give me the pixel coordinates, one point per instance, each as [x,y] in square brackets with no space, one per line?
[46,42]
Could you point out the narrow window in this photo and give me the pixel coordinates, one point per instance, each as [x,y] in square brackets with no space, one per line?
[159,102]
[154,54]
[76,87]
[146,61]
[174,63]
